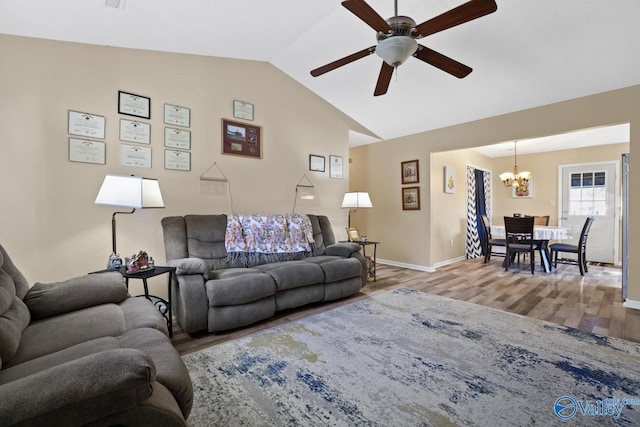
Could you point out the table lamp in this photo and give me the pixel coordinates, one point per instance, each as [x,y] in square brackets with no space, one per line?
[134,192]
[355,200]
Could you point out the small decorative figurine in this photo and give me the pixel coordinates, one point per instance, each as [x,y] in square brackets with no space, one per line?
[139,262]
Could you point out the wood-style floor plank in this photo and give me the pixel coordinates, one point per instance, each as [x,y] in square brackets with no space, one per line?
[592,303]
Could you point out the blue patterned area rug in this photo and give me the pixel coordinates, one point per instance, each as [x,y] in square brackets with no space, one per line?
[405,358]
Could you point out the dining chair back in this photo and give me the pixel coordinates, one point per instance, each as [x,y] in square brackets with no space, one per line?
[519,239]
[491,242]
[580,249]
[539,219]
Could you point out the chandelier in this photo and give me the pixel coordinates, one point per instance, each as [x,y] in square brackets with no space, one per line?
[515,178]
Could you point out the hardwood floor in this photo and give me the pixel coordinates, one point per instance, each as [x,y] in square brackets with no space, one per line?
[592,303]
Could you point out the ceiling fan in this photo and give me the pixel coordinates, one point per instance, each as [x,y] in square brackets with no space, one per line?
[397,39]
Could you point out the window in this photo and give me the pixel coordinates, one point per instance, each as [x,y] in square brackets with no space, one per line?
[588,195]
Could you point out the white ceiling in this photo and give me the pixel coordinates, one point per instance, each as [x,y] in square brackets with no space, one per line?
[526,54]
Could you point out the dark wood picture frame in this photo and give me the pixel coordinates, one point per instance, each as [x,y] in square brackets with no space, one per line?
[410,172]
[411,198]
[241,139]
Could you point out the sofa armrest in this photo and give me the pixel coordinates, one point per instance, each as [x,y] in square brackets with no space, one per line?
[52,299]
[343,249]
[79,391]
[186,266]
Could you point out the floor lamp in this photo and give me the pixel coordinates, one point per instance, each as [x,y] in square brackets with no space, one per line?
[134,192]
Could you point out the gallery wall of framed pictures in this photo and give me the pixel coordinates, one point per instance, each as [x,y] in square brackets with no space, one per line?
[87,134]
[410,175]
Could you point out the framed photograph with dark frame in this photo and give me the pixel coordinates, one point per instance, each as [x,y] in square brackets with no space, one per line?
[410,172]
[316,163]
[134,105]
[240,139]
[411,199]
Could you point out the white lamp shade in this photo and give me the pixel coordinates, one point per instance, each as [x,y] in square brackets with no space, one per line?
[397,49]
[130,192]
[356,200]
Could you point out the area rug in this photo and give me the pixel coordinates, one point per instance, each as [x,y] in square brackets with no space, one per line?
[406,358]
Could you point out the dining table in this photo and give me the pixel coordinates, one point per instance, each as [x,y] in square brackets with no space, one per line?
[542,234]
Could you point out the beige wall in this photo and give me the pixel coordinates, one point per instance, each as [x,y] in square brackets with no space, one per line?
[545,169]
[421,238]
[48,221]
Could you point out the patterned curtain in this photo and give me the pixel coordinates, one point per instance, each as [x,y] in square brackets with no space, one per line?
[478,203]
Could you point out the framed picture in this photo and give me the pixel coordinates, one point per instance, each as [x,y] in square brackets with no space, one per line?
[411,199]
[133,131]
[335,167]
[240,139]
[316,163]
[177,138]
[410,172]
[242,110]
[134,105]
[449,180]
[176,115]
[524,192]
[85,124]
[352,234]
[86,151]
[135,155]
[177,160]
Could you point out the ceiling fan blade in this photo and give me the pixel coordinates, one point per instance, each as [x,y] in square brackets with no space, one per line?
[383,79]
[459,15]
[343,61]
[442,62]
[366,13]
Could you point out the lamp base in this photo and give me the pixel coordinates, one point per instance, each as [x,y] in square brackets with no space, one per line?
[115,262]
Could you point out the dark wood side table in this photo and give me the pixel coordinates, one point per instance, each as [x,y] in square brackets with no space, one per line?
[163,306]
[371,270]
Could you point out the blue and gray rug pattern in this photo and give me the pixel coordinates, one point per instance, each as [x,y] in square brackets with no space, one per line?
[406,358]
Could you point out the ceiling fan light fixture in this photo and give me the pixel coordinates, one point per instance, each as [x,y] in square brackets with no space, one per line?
[396,49]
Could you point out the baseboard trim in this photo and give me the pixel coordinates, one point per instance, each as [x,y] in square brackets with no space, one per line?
[425,268]
[631,304]
[405,265]
[450,261]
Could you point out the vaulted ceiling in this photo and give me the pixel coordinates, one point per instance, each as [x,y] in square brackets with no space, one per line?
[526,54]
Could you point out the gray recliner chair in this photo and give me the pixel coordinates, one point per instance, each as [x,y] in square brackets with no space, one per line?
[83,352]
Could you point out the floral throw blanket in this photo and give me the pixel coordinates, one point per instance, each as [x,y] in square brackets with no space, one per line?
[254,239]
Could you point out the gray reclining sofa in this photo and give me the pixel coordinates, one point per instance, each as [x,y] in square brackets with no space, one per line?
[83,352]
[213,293]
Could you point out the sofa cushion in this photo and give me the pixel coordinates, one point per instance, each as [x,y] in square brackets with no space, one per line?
[337,268]
[228,273]
[52,334]
[241,289]
[139,312]
[293,274]
[51,299]
[12,324]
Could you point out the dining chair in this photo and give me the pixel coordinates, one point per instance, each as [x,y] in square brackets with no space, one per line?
[519,239]
[580,249]
[491,242]
[539,219]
